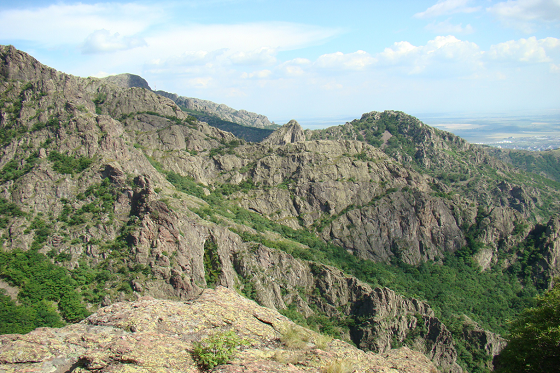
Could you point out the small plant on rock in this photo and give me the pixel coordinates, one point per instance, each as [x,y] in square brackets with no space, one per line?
[217,349]
[295,338]
[338,366]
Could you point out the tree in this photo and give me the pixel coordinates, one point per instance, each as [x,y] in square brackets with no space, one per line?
[534,338]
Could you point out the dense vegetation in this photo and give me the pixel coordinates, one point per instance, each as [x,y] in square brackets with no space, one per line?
[534,338]
[41,284]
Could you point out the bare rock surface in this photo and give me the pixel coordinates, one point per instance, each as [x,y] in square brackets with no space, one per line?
[128,81]
[289,133]
[151,335]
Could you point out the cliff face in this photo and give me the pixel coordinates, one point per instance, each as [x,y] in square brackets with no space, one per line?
[151,335]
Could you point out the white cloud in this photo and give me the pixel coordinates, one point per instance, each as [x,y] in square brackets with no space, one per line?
[167,46]
[203,82]
[102,41]
[261,74]
[526,15]
[296,67]
[525,50]
[261,56]
[71,24]
[350,61]
[265,37]
[446,7]
[446,27]
[441,56]
[400,49]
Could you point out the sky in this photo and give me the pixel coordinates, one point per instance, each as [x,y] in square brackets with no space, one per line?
[309,60]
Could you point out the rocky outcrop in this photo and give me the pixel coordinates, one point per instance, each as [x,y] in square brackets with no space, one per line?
[382,319]
[243,117]
[551,246]
[289,133]
[151,335]
[545,261]
[468,169]
[128,81]
[491,343]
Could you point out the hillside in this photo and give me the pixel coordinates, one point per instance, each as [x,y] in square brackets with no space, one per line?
[545,163]
[109,193]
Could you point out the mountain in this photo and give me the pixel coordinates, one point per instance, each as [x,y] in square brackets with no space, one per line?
[221,111]
[384,232]
[248,126]
[128,81]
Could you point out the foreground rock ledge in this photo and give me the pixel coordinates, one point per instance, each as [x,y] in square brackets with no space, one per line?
[151,335]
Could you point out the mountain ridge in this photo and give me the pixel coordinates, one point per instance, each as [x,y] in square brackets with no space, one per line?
[132,196]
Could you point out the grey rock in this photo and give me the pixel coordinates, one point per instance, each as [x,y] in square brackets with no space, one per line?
[289,133]
[128,81]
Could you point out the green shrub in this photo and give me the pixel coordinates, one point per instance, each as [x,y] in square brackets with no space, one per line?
[65,164]
[212,265]
[217,349]
[534,339]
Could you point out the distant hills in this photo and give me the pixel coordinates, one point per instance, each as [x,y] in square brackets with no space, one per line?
[243,124]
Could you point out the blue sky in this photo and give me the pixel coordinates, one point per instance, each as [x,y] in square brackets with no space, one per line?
[309,59]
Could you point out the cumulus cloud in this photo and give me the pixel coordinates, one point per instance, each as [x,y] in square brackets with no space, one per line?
[526,50]
[526,15]
[260,56]
[350,61]
[446,27]
[296,67]
[207,49]
[440,55]
[446,7]
[102,41]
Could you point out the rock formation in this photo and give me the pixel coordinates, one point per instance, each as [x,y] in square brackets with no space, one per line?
[150,335]
[128,81]
[289,133]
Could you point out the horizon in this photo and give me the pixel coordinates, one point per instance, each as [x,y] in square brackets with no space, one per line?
[294,59]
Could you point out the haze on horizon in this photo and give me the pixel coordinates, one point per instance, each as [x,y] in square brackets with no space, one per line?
[310,59]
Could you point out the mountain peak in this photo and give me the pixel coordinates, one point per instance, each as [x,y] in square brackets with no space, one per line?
[289,133]
[128,81]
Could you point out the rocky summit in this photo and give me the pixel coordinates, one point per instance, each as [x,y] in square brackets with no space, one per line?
[120,211]
[150,335]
